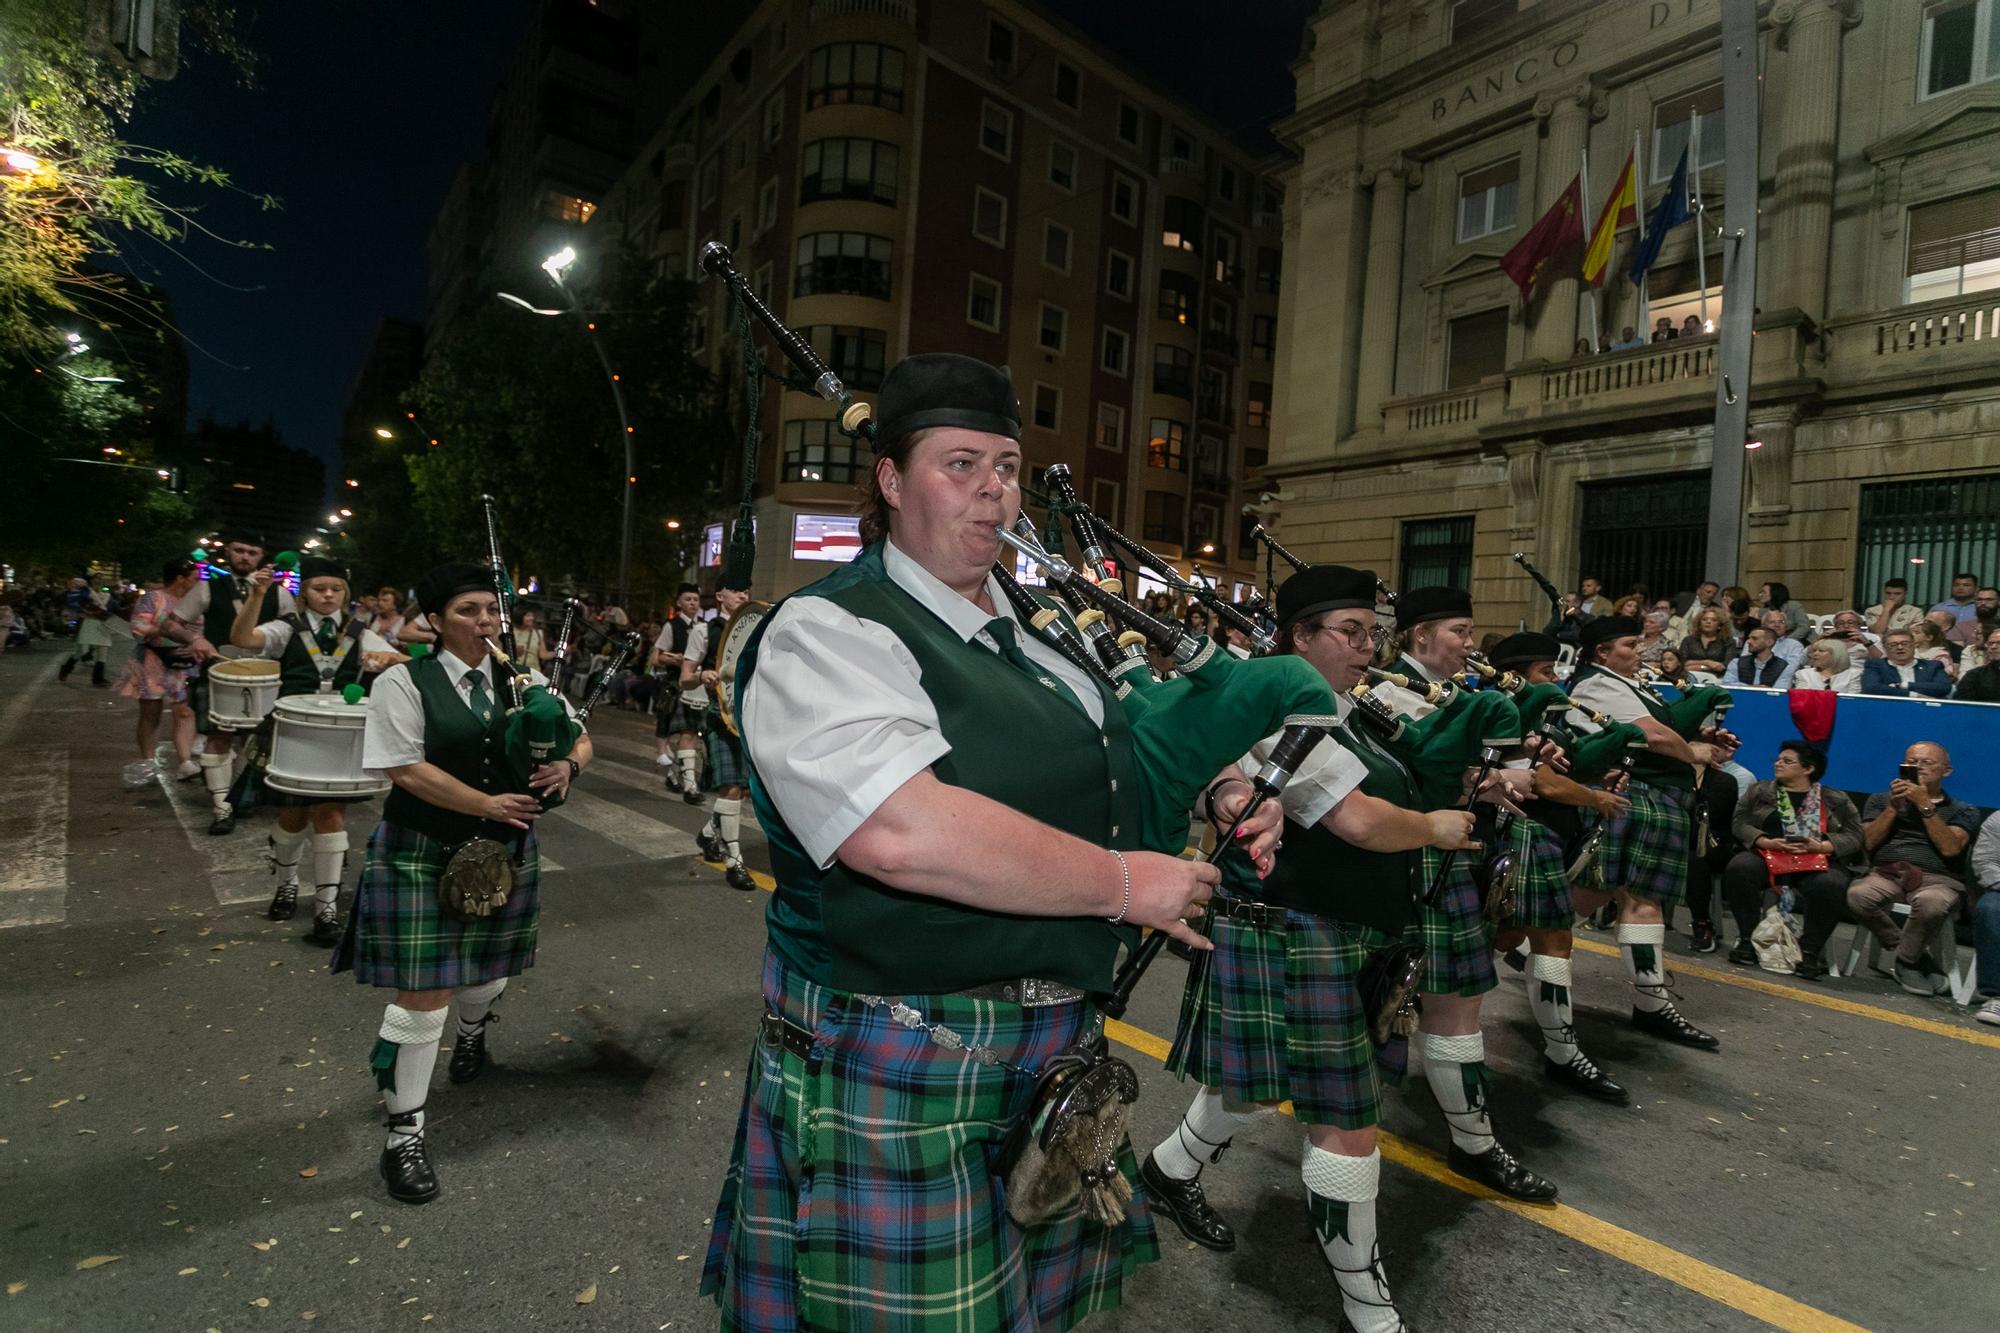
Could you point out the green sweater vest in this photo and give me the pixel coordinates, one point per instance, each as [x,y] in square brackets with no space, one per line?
[1012,740]
[456,741]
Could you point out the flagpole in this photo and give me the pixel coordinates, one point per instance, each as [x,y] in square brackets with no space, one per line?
[1700,214]
[1589,291]
[1644,330]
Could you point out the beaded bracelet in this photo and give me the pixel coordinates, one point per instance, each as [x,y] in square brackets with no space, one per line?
[1125,903]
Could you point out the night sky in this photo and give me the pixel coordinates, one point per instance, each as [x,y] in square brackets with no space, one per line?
[361,112]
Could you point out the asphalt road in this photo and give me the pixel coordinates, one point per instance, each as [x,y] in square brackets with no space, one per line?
[185,1090]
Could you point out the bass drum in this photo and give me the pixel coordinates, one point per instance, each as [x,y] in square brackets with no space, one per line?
[735,637]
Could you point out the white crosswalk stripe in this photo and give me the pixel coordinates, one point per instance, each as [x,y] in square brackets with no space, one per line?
[643,836]
[34,833]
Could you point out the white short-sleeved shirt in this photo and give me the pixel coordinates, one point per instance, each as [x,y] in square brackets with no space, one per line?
[836,718]
[1325,777]
[395,735]
[696,695]
[1612,695]
[192,609]
[276,635]
[1407,702]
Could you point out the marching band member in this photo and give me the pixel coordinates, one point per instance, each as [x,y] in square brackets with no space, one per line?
[675,724]
[1543,907]
[317,654]
[940,789]
[1434,627]
[207,617]
[436,729]
[1646,848]
[1283,1018]
[727,770]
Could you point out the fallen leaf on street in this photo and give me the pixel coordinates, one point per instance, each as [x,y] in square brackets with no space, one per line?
[57,1106]
[187,1272]
[263,1245]
[98,1261]
[16,1288]
[262,1302]
[587,1295]
[307,1173]
[308,1316]
[403,1244]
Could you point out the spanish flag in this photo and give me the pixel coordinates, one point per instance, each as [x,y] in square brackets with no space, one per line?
[1619,210]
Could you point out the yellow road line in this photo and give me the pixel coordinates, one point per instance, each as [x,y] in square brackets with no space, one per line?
[1833,1002]
[1703,1279]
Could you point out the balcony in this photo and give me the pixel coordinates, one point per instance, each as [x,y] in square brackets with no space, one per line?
[1213,408]
[899,11]
[1216,343]
[1658,369]
[1451,417]
[1180,169]
[1934,343]
[1267,219]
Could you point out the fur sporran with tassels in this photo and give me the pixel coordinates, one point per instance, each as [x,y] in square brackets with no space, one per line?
[1063,1153]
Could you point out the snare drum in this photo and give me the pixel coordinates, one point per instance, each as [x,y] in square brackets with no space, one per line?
[241,692]
[316,749]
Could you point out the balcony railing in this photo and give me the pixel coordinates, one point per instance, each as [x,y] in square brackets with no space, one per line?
[1961,333]
[1184,167]
[1672,362]
[1267,217]
[900,11]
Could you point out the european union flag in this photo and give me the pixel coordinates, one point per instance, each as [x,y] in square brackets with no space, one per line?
[1670,212]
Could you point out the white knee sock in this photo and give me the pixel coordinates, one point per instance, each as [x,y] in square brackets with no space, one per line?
[729,824]
[215,776]
[1640,943]
[329,866]
[474,1002]
[1200,1137]
[1456,1069]
[689,775]
[1341,1191]
[287,846]
[1548,997]
[406,1052]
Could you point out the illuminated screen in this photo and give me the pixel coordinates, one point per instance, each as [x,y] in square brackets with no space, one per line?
[834,537]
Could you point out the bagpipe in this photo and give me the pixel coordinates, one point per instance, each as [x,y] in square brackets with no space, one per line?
[1563,623]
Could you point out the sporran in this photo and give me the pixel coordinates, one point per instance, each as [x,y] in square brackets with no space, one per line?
[1064,1149]
[1387,984]
[477,880]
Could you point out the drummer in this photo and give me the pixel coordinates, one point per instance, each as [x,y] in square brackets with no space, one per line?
[207,617]
[316,654]
[436,729]
[728,772]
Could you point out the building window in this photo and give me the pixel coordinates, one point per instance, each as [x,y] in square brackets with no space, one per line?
[1180,147]
[1211,466]
[1269,260]
[1047,411]
[1124,198]
[1676,120]
[1054,333]
[849,169]
[1212,399]
[1056,246]
[760,282]
[1111,427]
[735,230]
[855,354]
[1117,354]
[1644,530]
[1106,502]
[1476,347]
[861,73]
[774,119]
[1958,46]
[851,263]
[1163,517]
[982,303]
[989,215]
[1469,18]
[1264,336]
[1954,247]
[1166,444]
[1257,407]
[698,332]
[1246,537]
[1062,165]
[779,36]
[1128,123]
[1226,257]
[711,178]
[1180,229]
[1489,198]
[1118,274]
[1068,86]
[1225,183]
[1204,527]
[817,451]
[1000,44]
[1222,326]
[996,130]
[1177,299]
[1437,553]
[567,207]
[739,152]
[1173,371]
[1947,523]
[767,206]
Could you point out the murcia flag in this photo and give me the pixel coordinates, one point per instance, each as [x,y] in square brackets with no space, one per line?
[1558,233]
[1621,208]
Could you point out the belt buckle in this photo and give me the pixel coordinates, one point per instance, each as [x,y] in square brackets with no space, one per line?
[1267,916]
[1037,993]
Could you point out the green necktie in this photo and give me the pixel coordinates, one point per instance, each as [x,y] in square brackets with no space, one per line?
[482,702]
[326,634]
[1002,630]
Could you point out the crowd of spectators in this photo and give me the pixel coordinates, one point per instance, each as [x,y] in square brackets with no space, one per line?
[1664,330]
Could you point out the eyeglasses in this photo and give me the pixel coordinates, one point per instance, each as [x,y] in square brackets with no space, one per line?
[1358,637]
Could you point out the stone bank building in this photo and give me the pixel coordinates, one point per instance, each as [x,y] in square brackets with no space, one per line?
[1427,425]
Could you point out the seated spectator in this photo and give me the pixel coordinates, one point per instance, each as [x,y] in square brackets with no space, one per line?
[1828,667]
[1653,639]
[1981,685]
[1787,647]
[1898,672]
[1663,329]
[1893,611]
[1196,619]
[1986,612]
[1692,327]
[1672,665]
[1760,663]
[1986,918]
[1627,340]
[1852,630]
[1631,605]
[1743,617]
[1934,645]
[1798,620]
[1676,627]
[1963,608]
[1793,815]
[1709,645]
[1582,347]
[1591,601]
[1916,837]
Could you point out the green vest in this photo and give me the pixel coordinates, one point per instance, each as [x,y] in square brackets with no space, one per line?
[1320,873]
[298,673]
[221,615]
[1647,766]
[1014,741]
[456,741]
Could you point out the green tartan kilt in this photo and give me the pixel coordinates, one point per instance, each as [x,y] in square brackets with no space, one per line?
[726,765]
[1280,1018]
[1541,881]
[397,935]
[1458,940]
[1645,850]
[862,1191]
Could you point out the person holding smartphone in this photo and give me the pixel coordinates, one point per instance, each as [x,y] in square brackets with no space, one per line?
[1916,837]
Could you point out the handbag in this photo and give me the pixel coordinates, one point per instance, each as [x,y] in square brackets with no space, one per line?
[1064,1148]
[1777,948]
[1795,863]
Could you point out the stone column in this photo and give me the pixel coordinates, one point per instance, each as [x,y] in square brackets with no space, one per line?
[1568,115]
[1375,380]
[1811,31]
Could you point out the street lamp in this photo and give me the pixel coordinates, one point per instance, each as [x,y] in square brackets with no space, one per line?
[384,433]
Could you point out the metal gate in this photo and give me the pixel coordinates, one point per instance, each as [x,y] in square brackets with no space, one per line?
[1649,532]
[1926,531]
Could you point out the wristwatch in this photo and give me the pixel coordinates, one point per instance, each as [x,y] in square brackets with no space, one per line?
[574,767]
[1926,810]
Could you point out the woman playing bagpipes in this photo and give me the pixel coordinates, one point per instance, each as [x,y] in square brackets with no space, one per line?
[449,902]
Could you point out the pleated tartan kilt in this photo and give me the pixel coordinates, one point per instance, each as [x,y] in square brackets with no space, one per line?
[726,765]
[1281,1019]
[1541,880]
[862,1192]
[1458,940]
[398,936]
[1645,849]
[671,715]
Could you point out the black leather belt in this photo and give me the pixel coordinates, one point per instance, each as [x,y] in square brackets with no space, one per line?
[1258,916]
[791,1036]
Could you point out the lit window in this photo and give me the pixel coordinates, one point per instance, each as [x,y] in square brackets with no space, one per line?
[1488,199]
[1954,247]
[1257,408]
[1180,227]
[1677,121]
[1166,444]
[567,207]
